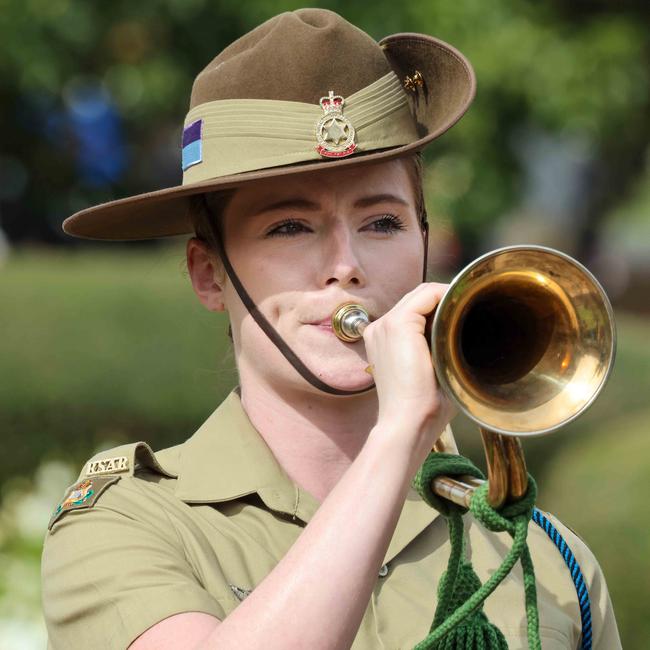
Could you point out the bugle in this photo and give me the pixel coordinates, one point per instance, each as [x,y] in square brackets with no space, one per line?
[523,341]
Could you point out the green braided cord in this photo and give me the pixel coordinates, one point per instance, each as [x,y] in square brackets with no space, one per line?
[436,465]
[478,597]
[459,581]
[459,622]
[450,576]
[530,590]
[512,516]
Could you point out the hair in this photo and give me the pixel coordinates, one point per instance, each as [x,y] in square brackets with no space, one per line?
[206,210]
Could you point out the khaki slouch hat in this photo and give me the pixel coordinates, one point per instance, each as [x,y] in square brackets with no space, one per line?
[302,91]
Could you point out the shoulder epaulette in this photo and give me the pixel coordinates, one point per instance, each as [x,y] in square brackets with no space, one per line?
[124,460]
[105,469]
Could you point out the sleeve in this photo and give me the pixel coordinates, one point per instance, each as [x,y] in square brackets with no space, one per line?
[604,628]
[111,571]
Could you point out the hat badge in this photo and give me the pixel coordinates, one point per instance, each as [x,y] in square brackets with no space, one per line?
[334,131]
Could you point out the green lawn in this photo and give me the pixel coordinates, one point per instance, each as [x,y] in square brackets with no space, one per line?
[111,345]
[599,486]
[104,347]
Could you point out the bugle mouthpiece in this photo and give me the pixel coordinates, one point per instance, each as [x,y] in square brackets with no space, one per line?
[348,322]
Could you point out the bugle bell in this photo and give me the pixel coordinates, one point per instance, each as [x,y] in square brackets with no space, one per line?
[523,341]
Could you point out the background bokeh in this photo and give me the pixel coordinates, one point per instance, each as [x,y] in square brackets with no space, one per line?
[102,344]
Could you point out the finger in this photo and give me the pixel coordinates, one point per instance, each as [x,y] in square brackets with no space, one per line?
[423,299]
[411,309]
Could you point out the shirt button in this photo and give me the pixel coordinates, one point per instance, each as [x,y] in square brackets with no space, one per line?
[383,572]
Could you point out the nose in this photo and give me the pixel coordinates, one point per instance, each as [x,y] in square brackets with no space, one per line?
[341,264]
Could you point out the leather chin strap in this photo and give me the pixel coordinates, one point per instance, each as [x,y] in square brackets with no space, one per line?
[277,340]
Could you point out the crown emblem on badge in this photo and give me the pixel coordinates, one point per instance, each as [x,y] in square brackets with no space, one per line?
[334,131]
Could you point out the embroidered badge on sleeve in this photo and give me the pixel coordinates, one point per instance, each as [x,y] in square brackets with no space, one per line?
[83,494]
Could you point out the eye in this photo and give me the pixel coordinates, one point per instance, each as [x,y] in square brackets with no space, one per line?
[288,228]
[387,223]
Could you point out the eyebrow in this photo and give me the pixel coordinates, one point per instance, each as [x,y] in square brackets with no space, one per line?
[304,204]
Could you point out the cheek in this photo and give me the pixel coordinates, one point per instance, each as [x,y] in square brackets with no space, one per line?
[271,272]
[274,288]
[399,269]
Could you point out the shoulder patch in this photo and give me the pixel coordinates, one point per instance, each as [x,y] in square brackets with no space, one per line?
[82,494]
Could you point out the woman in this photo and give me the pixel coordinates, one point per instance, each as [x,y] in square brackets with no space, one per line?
[287,520]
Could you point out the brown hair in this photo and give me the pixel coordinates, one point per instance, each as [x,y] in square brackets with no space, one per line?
[206,210]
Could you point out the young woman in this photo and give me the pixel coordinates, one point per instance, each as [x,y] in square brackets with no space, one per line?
[287,520]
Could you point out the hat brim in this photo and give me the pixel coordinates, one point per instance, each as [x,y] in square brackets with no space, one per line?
[448,90]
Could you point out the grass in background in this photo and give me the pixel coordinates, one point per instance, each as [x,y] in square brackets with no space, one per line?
[104,347]
[598,485]
[109,345]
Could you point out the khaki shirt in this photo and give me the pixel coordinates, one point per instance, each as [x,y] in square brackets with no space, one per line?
[195,527]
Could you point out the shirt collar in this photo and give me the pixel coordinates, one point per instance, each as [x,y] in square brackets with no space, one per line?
[227,459]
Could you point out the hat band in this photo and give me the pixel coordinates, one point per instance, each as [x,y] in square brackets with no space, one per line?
[230,136]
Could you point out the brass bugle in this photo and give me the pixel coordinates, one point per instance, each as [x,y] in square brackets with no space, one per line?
[523,341]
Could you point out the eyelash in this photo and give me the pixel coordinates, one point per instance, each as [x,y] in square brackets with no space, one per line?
[391,220]
[275,231]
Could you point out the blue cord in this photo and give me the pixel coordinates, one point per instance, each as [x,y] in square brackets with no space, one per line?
[576,575]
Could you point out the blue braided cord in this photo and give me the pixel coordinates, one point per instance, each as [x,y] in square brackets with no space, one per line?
[576,575]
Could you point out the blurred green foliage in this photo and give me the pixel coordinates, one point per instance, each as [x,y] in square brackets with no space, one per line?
[577,70]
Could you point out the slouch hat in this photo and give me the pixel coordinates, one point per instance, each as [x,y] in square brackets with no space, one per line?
[303,91]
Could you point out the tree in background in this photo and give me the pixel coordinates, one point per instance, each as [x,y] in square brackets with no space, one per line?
[93,96]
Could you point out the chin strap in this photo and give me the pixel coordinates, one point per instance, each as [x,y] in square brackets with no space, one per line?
[270,331]
[424,224]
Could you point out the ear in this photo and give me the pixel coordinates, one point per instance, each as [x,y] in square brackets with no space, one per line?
[207,274]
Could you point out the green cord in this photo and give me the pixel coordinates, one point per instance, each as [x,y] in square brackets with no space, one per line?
[459,622]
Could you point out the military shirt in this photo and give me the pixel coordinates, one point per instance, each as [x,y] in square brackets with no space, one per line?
[195,527]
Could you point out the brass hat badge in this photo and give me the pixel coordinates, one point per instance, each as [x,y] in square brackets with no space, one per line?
[334,132]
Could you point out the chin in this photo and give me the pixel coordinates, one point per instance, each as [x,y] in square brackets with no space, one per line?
[343,373]
[337,364]
[350,381]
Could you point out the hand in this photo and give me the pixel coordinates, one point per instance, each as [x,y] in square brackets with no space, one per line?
[409,396]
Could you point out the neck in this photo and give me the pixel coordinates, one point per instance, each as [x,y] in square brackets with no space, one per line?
[313,436]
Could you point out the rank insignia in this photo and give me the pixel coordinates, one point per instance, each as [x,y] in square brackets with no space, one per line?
[334,131]
[240,592]
[82,495]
